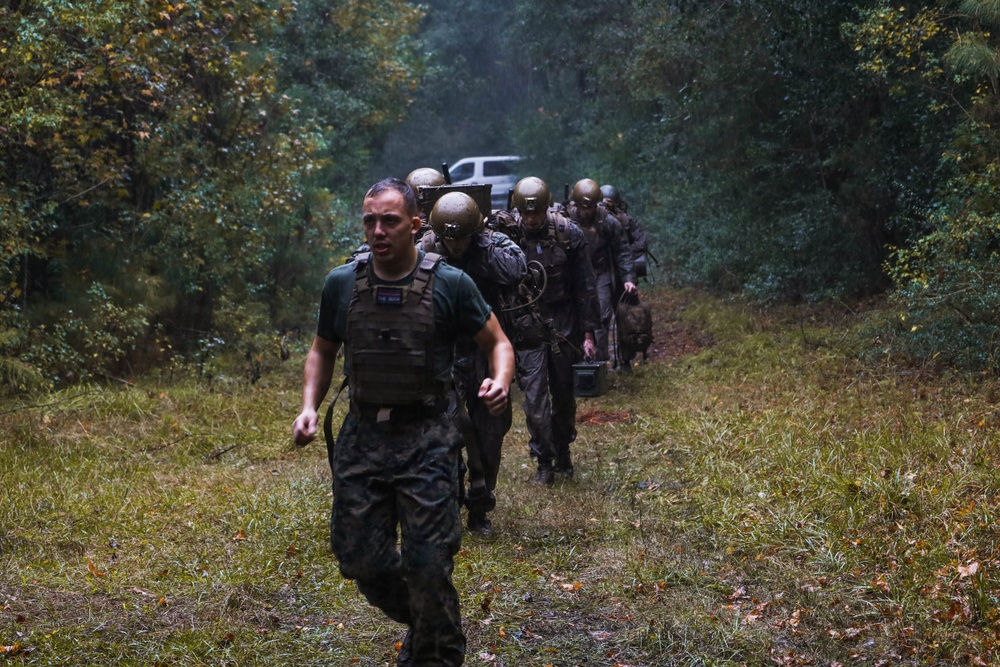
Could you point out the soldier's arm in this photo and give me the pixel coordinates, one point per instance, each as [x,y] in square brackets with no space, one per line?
[495,389]
[640,243]
[584,286]
[622,253]
[506,261]
[316,382]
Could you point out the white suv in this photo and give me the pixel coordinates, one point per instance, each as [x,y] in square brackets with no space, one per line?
[498,171]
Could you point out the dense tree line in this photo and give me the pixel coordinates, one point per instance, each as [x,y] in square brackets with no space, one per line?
[166,171]
[176,177]
[784,149]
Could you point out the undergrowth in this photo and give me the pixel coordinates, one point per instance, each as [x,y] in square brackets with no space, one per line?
[763,499]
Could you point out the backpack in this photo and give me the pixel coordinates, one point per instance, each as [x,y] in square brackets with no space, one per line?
[635,326]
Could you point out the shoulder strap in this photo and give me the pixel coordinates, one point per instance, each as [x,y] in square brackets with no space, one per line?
[425,271]
[361,282]
[558,231]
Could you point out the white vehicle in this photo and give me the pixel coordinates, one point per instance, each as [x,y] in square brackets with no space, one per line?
[498,171]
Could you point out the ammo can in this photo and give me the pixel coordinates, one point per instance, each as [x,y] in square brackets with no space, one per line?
[590,378]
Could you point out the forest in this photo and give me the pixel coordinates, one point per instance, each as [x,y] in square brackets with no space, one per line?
[803,474]
[177,177]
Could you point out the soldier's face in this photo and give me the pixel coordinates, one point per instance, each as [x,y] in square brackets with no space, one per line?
[587,210]
[457,247]
[533,219]
[389,231]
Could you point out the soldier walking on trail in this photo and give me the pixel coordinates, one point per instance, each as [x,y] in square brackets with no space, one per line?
[496,265]
[635,235]
[633,320]
[609,254]
[398,311]
[569,309]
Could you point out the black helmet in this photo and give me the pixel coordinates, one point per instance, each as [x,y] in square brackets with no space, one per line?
[586,191]
[456,216]
[531,194]
[611,192]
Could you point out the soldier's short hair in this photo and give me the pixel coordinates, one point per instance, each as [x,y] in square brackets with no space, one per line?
[402,187]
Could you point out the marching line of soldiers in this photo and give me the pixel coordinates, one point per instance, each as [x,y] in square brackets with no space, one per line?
[442,308]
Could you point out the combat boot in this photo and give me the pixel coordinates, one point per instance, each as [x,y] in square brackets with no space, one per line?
[564,465]
[544,474]
[405,656]
[479,523]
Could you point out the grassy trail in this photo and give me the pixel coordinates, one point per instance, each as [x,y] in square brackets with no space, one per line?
[754,495]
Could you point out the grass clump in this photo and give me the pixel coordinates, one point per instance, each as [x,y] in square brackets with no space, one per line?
[754,495]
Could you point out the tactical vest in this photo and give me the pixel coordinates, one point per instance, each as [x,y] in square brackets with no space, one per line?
[390,329]
[550,252]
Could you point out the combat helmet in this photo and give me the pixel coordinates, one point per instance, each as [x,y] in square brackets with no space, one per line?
[531,194]
[586,191]
[424,176]
[612,193]
[456,216]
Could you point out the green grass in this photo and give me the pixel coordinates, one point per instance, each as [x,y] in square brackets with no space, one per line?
[756,496]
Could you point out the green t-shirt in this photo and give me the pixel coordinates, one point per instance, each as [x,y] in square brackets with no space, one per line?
[459,309]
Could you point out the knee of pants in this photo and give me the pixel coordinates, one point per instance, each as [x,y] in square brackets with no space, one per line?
[432,560]
[368,566]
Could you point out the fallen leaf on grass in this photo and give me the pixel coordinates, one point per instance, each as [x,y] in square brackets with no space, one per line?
[93,569]
[15,650]
[601,417]
[880,584]
[968,570]
[240,535]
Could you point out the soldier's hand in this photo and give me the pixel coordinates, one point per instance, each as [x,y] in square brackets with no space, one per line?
[631,288]
[304,427]
[589,348]
[494,395]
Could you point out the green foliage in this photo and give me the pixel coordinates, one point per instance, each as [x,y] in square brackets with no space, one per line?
[948,279]
[175,160]
[97,337]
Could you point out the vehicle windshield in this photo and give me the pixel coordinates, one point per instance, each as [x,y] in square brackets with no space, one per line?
[463,171]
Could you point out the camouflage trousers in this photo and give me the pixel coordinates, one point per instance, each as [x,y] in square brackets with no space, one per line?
[402,475]
[546,377]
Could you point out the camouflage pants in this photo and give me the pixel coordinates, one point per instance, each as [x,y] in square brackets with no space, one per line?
[546,377]
[403,475]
